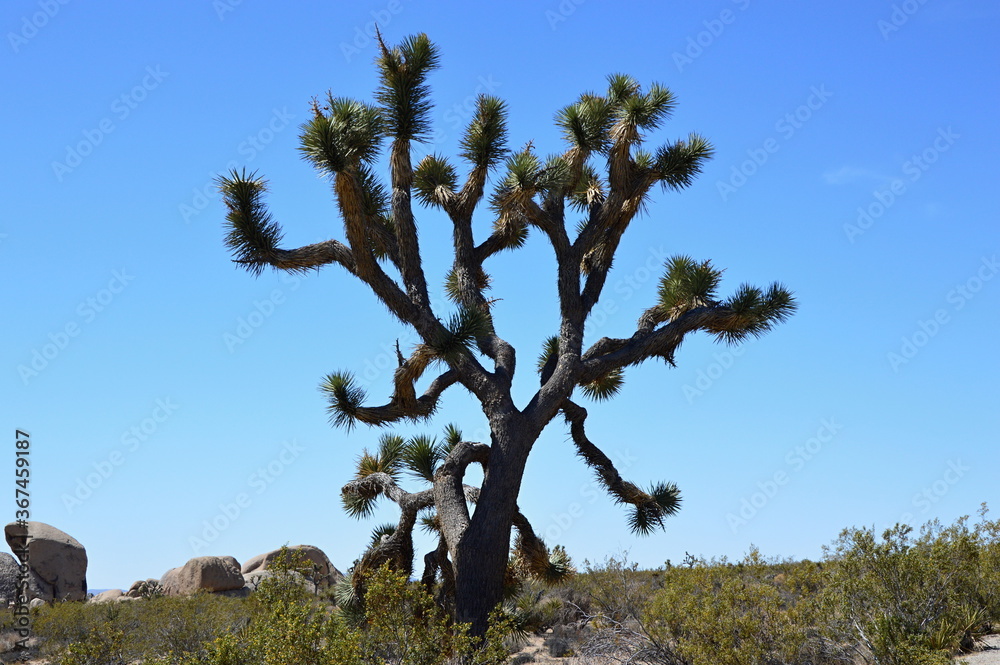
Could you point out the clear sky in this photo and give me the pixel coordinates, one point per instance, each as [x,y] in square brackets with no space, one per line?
[164,389]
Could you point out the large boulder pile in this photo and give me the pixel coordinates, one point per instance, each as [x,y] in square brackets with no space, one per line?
[57,561]
[57,570]
[323,575]
[211,573]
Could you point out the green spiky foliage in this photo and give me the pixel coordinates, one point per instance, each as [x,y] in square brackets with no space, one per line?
[381,531]
[421,457]
[463,328]
[495,199]
[605,387]
[664,501]
[687,284]
[344,398]
[344,134]
[484,140]
[434,180]
[404,94]
[252,235]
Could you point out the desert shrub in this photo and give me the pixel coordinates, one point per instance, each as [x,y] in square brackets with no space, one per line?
[620,624]
[722,614]
[908,599]
[402,626]
[535,610]
[98,647]
[74,633]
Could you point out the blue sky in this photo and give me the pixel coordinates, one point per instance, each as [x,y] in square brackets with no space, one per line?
[165,390]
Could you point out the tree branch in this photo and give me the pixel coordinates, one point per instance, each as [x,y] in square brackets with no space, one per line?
[450,493]
[406,228]
[651,508]
[607,354]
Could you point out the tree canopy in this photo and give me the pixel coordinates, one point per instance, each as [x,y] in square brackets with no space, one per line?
[581,202]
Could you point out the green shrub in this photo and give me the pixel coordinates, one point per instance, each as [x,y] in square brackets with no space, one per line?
[908,600]
[174,627]
[402,626]
[727,614]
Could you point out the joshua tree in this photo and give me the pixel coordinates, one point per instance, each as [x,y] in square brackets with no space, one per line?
[601,183]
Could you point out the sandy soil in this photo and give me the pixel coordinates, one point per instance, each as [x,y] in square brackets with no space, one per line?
[989,656]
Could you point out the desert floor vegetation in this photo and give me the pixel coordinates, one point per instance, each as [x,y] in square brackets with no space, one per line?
[900,597]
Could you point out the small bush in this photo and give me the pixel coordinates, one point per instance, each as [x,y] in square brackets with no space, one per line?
[144,628]
[727,614]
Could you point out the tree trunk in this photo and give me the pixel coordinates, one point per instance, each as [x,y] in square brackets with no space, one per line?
[483,552]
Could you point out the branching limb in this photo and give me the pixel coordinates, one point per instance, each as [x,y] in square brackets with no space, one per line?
[650,508]
[345,401]
[687,302]
[397,547]
[451,494]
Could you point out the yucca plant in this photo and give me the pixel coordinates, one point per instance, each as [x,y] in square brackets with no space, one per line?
[581,201]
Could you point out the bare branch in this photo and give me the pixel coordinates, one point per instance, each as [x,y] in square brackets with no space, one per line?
[406,228]
[405,405]
[622,490]
[450,493]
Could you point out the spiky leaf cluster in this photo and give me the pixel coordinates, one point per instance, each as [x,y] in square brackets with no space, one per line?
[550,350]
[452,436]
[347,135]
[462,329]
[421,457]
[589,190]
[344,398]
[676,165]
[605,387]
[484,143]
[381,531]
[637,111]
[686,284]
[585,124]
[755,311]
[252,233]
[403,91]
[387,459]
[647,516]
[434,180]
[532,559]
